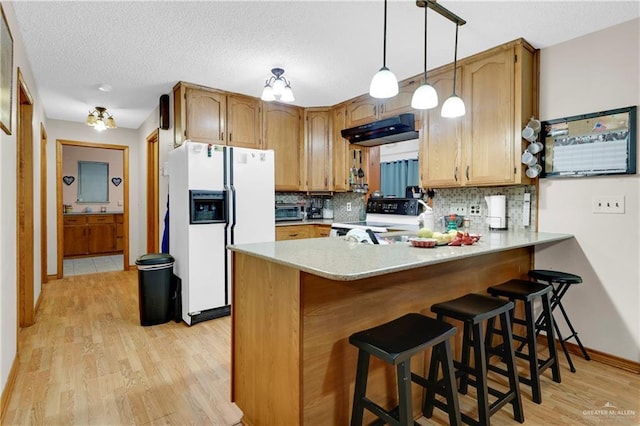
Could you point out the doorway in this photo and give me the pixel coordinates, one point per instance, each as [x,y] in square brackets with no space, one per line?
[104,234]
[44,278]
[24,206]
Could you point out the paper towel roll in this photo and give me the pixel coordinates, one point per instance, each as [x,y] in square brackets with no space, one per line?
[497,211]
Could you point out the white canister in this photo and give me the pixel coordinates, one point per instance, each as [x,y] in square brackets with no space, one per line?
[426,218]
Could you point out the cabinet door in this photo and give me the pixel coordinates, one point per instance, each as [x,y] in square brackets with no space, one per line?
[75,242]
[362,110]
[488,94]
[101,238]
[119,232]
[205,116]
[401,103]
[321,231]
[339,150]
[243,121]
[318,152]
[282,133]
[440,139]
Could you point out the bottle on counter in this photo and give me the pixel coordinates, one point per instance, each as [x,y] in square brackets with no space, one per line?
[452,223]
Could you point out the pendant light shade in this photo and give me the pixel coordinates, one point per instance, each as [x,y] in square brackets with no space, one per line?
[384,83]
[277,88]
[425,96]
[454,106]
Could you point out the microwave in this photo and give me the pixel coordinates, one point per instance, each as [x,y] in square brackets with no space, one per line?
[287,211]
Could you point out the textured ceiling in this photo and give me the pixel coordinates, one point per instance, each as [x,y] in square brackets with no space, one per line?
[329,49]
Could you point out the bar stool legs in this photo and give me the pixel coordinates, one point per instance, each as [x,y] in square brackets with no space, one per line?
[395,342]
[563,280]
[528,292]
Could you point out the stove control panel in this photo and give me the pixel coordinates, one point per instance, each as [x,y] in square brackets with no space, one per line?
[398,206]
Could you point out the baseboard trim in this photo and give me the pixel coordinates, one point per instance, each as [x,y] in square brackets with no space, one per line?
[52,277]
[8,389]
[602,357]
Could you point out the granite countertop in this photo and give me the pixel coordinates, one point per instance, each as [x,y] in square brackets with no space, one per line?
[98,212]
[341,260]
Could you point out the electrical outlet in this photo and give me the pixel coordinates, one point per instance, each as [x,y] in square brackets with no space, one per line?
[608,204]
[474,210]
[348,207]
[459,209]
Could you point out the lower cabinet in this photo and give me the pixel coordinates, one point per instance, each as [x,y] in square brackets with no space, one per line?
[298,232]
[92,234]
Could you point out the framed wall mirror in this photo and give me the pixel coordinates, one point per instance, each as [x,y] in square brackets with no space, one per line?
[93,182]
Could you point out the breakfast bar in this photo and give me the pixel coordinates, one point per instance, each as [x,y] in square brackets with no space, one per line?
[295,303]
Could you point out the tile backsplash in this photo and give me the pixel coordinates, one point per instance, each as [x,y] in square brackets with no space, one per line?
[441,204]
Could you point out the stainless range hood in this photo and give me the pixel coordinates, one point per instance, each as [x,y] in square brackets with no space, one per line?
[389,130]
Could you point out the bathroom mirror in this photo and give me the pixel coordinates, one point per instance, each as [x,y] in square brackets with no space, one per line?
[93,182]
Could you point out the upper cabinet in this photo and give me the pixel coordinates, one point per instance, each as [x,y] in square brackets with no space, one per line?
[318,149]
[365,109]
[282,128]
[211,116]
[199,114]
[483,147]
[339,150]
[244,124]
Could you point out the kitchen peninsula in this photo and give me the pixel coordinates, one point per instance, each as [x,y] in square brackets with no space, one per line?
[296,302]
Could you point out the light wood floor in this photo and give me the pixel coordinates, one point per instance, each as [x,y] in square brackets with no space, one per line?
[88,361]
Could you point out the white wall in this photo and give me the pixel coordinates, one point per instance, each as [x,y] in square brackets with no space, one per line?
[593,73]
[8,152]
[67,130]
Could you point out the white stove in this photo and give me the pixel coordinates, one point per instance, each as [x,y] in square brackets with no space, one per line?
[384,215]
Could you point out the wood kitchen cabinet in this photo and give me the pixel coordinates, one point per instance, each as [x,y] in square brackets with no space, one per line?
[91,234]
[339,150]
[199,114]
[119,232]
[318,149]
[244,124]
[282,129]
[207,115]
[365,109]
[292,232]
[482,148]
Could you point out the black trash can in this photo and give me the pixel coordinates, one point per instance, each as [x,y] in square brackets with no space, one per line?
[155,288]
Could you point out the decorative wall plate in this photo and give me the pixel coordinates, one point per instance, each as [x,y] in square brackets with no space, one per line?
[116,181]
[68,180]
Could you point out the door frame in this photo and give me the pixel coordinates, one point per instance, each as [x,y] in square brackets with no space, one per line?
[24,205]
[43,205]
[153,184]
[60,143]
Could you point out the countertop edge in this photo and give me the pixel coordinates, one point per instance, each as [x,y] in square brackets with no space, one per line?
[461,253]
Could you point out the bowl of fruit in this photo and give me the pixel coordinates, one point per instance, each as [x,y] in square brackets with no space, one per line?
[464,239]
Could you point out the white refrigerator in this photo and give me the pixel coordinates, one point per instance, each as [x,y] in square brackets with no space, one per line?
[218,195]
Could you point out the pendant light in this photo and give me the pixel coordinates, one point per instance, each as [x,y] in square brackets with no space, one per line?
[425,96]
[454,106]
[384,83]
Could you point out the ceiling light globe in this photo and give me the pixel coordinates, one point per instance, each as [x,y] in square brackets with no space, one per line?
[453,107]
[100,126]
[384,84]
[425,97]
[287,95]
[91,120]
[111,123]
[278,87]
[267,94]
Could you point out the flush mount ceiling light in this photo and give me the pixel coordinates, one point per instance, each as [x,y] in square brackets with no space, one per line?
[384,83]
[277,88]
[425,96]
[100,119]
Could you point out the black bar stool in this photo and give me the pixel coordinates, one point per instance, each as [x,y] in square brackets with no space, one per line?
[528,292]
[395,342]
[473,310]
[563,280]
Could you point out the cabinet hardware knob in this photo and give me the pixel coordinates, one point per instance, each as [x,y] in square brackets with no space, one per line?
[467,172]
[455,174]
